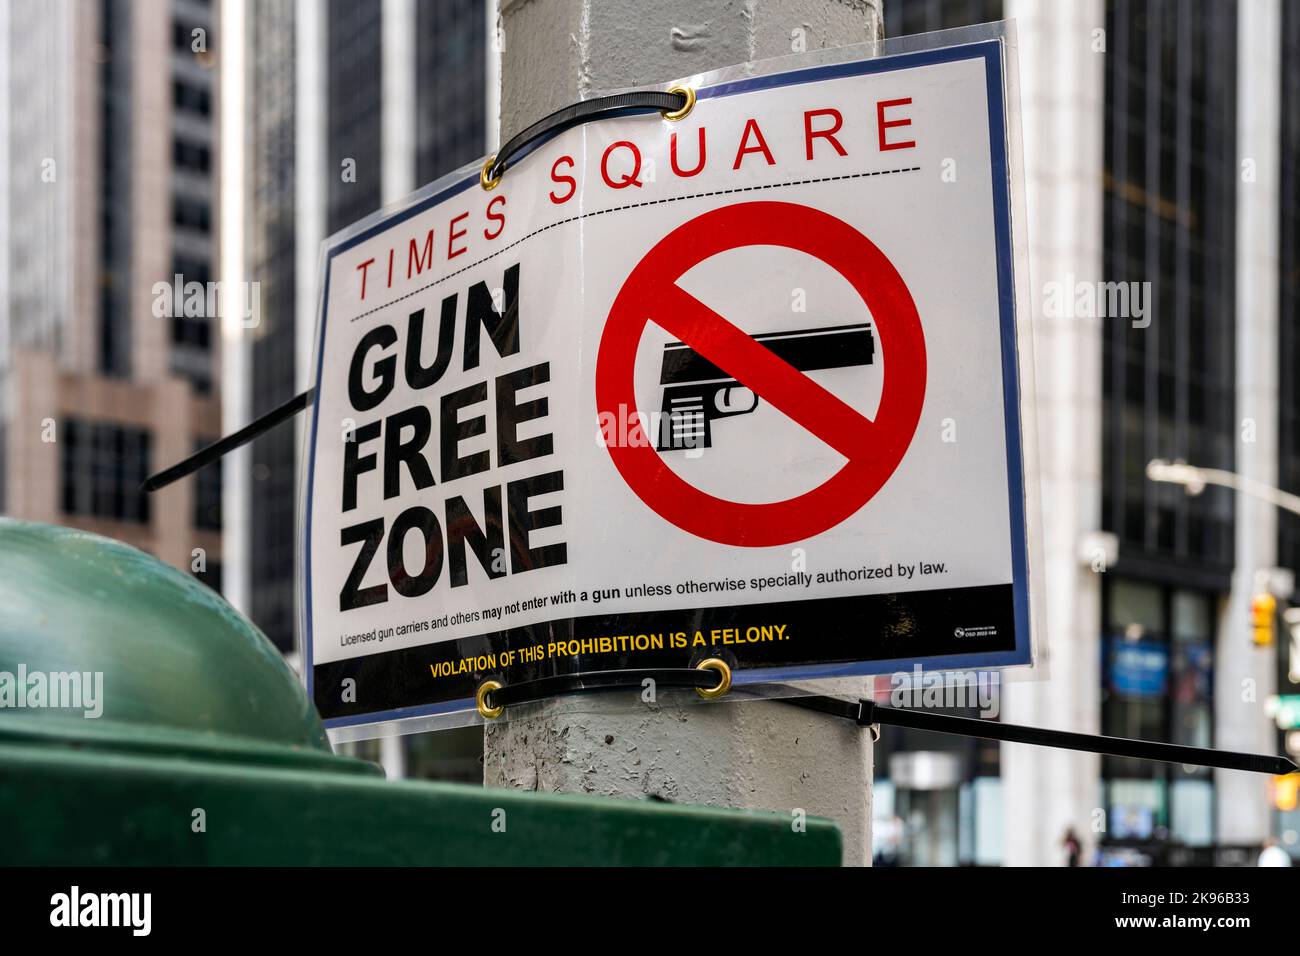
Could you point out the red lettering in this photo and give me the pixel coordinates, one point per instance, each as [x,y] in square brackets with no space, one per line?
[557,178]
[760,148]
[420,262]
[363,267]
[672,156]
[495,217]
[810,134]
[453,235]
[880,120]
[390,267]
[631,178]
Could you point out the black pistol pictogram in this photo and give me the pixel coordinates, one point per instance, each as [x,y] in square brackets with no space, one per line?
[697,392]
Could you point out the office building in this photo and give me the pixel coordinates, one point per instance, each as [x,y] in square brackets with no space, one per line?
[108,370]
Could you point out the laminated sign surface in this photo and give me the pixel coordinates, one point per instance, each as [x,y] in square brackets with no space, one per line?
[742,385]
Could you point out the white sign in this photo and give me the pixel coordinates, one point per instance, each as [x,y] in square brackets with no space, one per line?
[744,385]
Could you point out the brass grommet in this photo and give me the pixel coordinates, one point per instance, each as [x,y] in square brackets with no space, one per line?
[724,682]
[485,178]
[480,700]
[675,115]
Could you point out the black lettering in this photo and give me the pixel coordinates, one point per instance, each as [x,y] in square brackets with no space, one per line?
[426,522]
[354,463]
[381,336]
[487,542]
[522,521]
[410,452]
[503,326]
[353,596]
[452,431]
[510,413]
[420,376]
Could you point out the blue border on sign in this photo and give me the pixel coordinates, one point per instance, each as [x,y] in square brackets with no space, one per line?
[991,52]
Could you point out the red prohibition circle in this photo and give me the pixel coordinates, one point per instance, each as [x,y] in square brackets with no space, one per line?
[873,447]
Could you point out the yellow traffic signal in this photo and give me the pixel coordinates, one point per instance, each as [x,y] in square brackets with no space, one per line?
[1263,614]
[1285,791]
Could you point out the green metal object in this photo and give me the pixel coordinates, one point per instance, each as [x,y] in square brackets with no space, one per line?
[174,655]
[207,750]
[109,809]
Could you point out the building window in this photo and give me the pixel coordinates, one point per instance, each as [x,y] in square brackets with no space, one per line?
[207,493]
[188,98]
[904,17]
[191,156]
[355,95]
[117,116]
[183,38]
[450,92]
[1157,684]
[1168,379]
[190,269]
[103,466]
[192,332]
[211,575]
[191,214]
[191,335]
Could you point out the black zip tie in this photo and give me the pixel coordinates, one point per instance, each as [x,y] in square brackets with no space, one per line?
[869,714]
[600,107]
[210,453]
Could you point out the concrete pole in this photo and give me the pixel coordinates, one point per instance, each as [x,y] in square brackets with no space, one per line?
[1244,674]
[1062,82]
[754,754]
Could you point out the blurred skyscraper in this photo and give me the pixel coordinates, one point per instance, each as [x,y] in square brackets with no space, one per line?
[107,366]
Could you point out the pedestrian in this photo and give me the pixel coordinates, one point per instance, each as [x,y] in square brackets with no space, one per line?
[1073,848]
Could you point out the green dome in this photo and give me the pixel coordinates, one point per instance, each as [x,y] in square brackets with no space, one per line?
[181,669]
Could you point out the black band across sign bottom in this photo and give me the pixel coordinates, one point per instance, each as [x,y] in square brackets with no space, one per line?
[749,637]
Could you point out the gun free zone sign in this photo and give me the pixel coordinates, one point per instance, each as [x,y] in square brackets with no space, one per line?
[742,385]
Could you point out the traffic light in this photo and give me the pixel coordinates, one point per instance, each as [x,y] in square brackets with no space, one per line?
[1285,791]
[1263,615]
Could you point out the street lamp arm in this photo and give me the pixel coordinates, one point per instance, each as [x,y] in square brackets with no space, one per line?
[1194,479]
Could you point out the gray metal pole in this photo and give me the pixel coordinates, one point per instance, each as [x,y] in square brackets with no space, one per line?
[755,754]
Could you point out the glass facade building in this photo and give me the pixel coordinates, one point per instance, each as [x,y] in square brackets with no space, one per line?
[450,98]
[272,248]
[107,197]
[193,195]
[1168,386]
